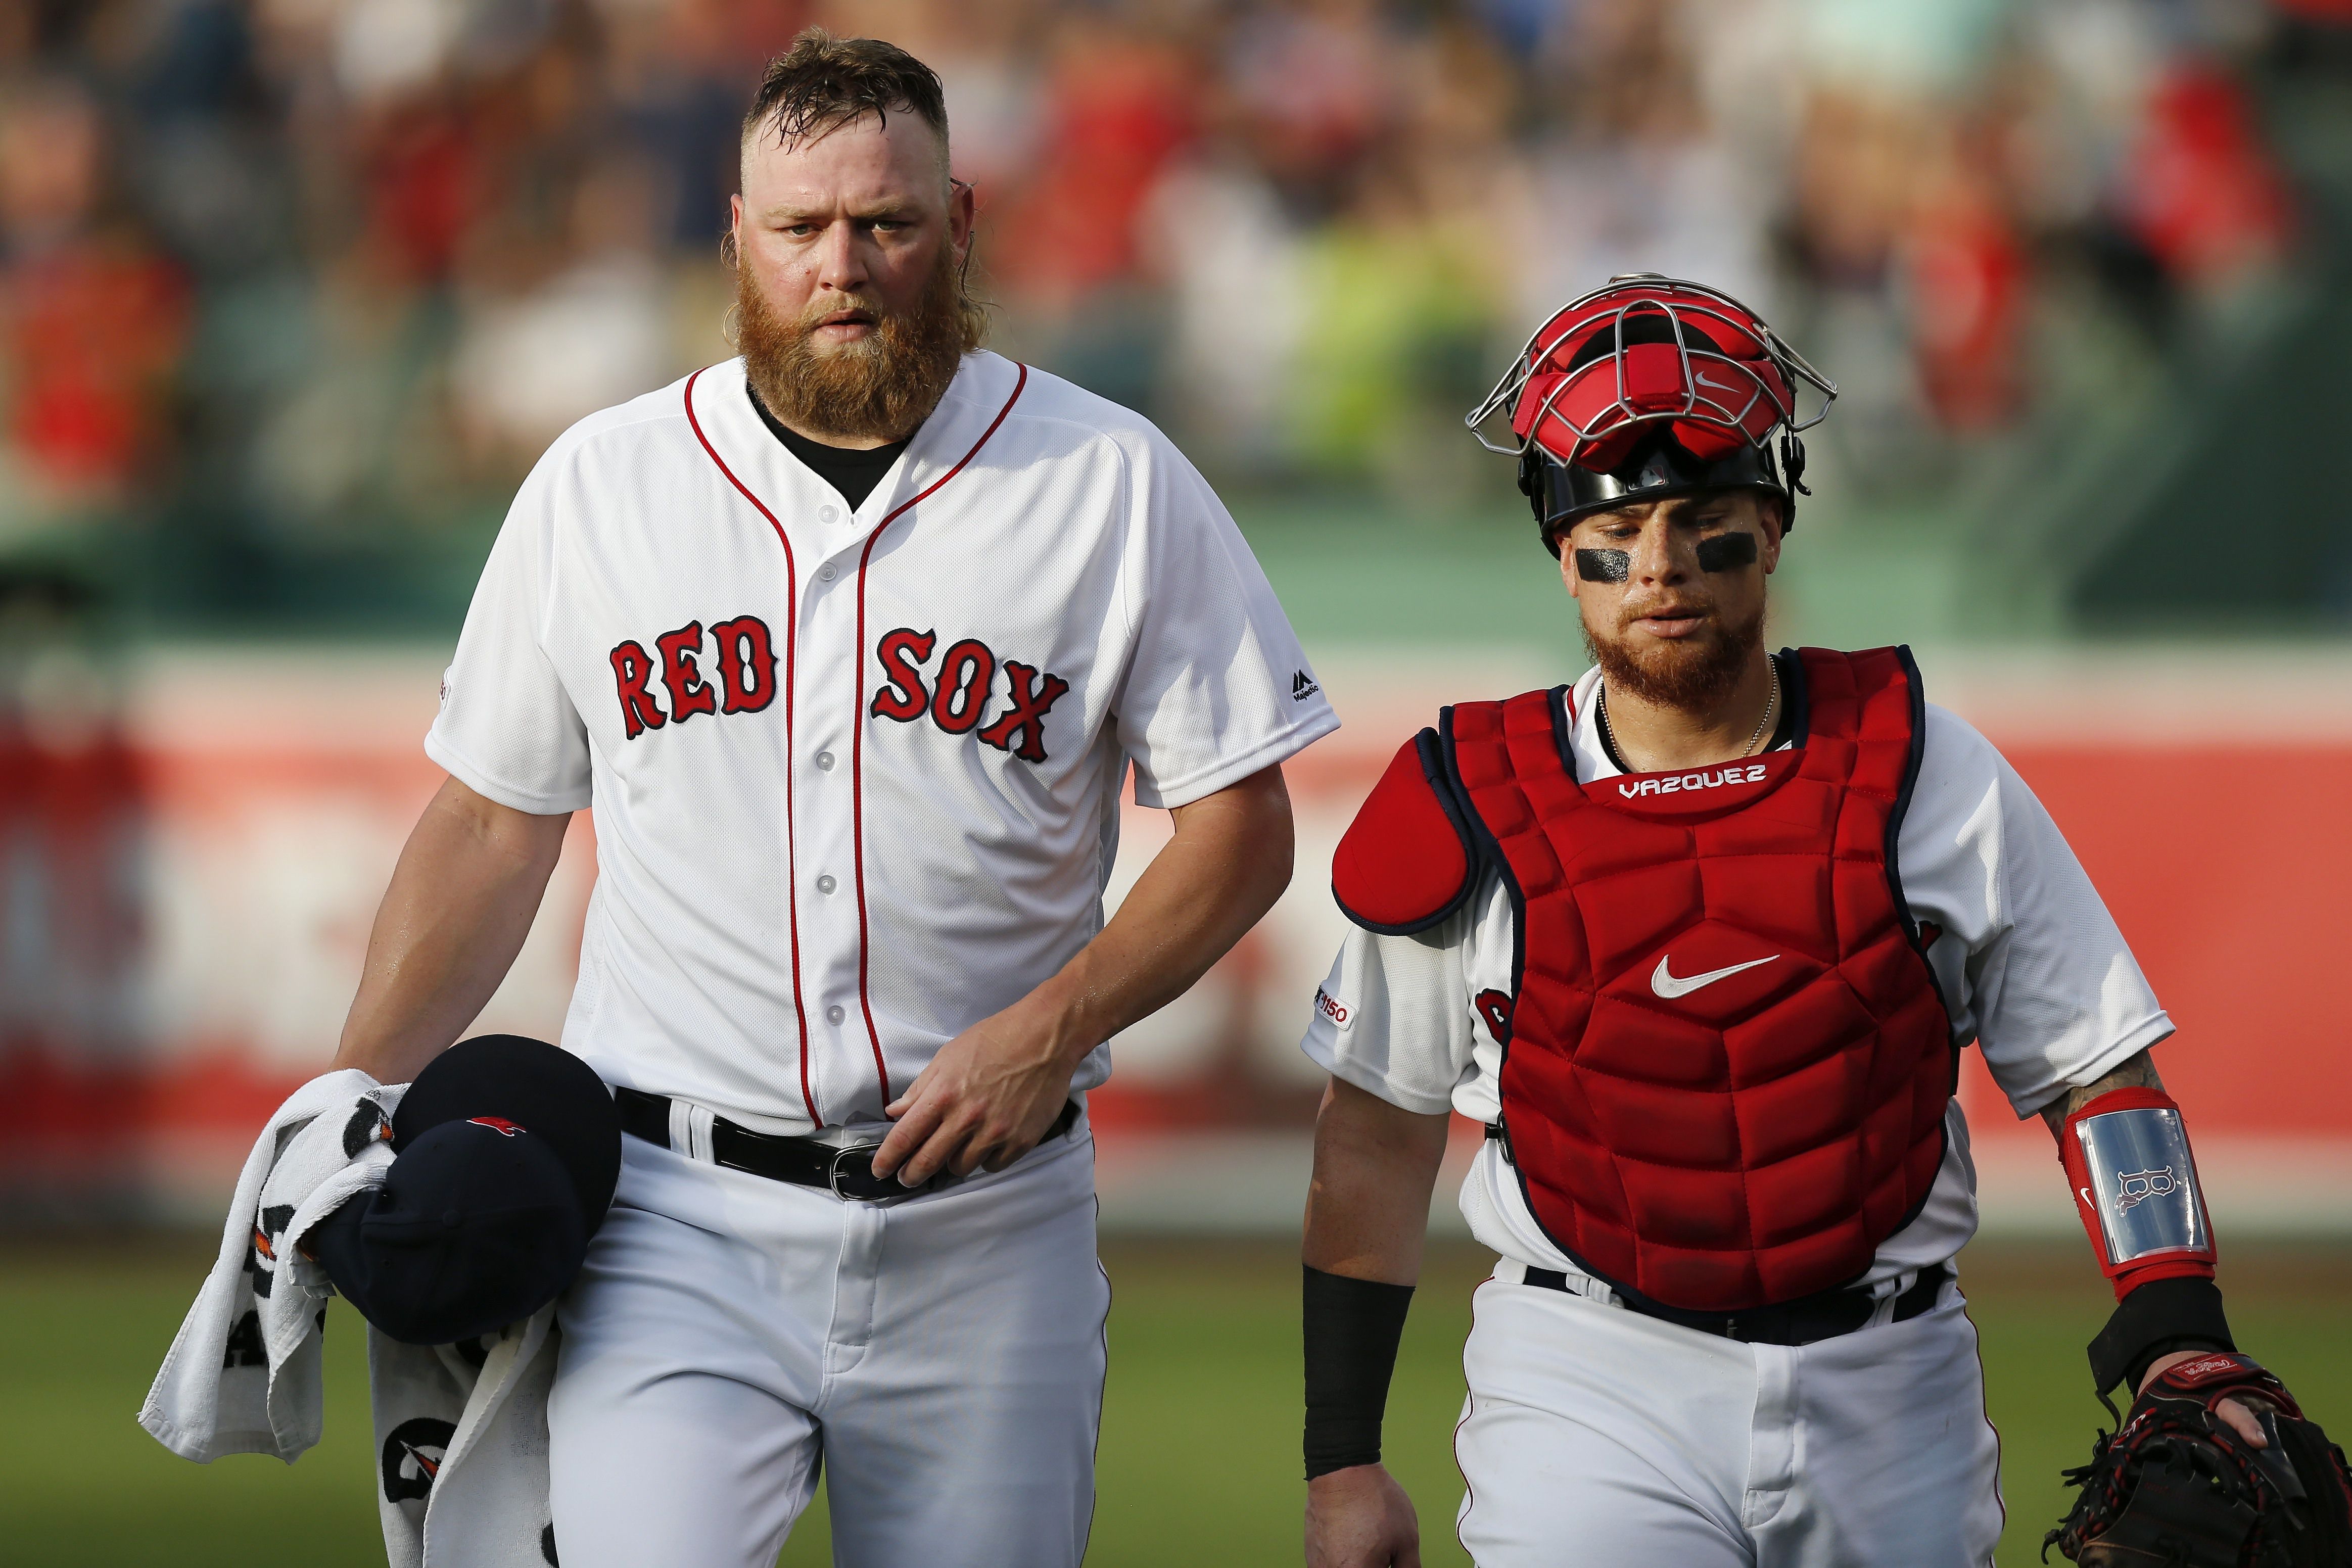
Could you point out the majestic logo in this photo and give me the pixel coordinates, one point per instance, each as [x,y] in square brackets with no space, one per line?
[1662,980]
[744,662]
[498,1124]
[1302,687]
[412,1454]
[1340,1014]
[2136,1188]
[966,678]
[1751,774]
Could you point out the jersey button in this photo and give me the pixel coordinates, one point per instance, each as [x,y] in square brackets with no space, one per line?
[834,1014]
[825,762]
[826,573]
[826,884]
[828,514]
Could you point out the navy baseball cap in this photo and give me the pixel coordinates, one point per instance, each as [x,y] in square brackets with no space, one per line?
[507,1151]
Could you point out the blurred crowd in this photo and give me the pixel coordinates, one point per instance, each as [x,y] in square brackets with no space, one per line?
[337,265]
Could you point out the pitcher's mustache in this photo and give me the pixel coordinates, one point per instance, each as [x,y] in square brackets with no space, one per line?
[816,315]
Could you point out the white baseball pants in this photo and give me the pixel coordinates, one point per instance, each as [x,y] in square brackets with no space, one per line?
[1595,1436]
[941,1357]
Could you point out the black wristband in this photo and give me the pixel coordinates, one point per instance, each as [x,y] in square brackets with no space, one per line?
[2157,1319]
[1352,1327]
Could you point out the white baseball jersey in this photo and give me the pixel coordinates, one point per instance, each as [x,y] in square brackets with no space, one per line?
[856,772]
[2031,963]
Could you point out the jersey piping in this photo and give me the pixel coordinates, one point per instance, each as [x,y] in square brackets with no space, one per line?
[792,650]
[858,735]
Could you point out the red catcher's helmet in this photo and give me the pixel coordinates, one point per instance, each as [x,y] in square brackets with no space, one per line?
[1648,388]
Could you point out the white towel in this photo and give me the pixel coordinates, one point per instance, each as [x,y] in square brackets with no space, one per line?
[461,1440]
[461,1430]
[242,1376]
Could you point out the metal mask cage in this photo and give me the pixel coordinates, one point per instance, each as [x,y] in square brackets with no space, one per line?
[1671,299]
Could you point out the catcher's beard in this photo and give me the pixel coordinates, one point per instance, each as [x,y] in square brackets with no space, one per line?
[880,386]
[1694,676]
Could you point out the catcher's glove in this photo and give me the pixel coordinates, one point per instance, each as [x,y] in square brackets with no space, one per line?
[2176,1487]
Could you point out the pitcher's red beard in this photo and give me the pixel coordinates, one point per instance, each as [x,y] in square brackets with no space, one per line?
[1694,674]
[878,387]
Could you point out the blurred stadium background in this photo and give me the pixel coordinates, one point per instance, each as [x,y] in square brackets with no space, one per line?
[293,291]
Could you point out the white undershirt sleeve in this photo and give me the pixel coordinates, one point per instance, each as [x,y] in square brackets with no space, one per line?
[1391,1020]
[1216,686]
[2042,975]
[508,728]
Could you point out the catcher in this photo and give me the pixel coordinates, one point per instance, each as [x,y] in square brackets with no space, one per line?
[1698,939]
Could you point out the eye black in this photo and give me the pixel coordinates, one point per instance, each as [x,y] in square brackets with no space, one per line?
[1725,551]
[1603,565]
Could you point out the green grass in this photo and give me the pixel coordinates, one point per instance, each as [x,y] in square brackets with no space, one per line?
[1200,1448]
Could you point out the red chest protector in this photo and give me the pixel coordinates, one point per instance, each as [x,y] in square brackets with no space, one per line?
[1726,1062]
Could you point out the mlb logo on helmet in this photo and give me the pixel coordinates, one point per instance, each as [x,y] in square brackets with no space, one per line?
[498,1124]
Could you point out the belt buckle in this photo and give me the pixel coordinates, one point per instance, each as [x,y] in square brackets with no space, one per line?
[858,1180]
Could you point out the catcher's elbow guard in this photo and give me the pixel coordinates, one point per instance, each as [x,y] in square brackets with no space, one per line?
[2135,1184]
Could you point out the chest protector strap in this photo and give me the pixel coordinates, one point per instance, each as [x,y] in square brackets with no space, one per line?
[1726,1061]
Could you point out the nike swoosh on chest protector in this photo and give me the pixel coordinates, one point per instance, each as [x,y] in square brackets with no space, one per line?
[1662,981]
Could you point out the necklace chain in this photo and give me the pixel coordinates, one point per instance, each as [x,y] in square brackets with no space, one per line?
[1771,704]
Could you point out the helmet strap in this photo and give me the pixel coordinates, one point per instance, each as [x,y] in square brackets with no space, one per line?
[1792,464]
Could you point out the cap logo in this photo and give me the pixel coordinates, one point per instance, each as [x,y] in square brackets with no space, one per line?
[498,1124]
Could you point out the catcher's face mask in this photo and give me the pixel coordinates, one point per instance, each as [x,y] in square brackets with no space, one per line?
[1650,388]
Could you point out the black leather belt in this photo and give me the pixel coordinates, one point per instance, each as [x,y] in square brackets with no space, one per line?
[845,1171]
[1804,1320]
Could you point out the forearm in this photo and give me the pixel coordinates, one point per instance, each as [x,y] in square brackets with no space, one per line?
[2138,1073]
[462,899]
[1229,859]
[1368,1201]
[988,1093]
[1367,1212]
[2168,1306]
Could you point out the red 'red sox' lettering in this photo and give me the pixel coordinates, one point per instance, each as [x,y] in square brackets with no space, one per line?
[747,664]
[964,676]
[902,653]
[632,667]
[744,659]
[1032,695]
[689,693]
[672,683]
[967,671]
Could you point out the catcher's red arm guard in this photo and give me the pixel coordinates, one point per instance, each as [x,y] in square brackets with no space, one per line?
[2135,1189]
